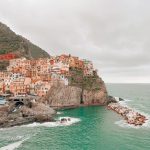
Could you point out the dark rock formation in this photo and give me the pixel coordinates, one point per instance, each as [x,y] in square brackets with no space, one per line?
[111,99]
[14,115]
[121,99]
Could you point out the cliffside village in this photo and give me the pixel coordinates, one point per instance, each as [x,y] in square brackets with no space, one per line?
[35,77]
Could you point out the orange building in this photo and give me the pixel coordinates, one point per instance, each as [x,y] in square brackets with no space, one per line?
[76,63]
[20,86]
[79,64]
[64,58]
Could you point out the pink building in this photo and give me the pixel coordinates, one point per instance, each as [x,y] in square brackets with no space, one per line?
[20,86]
[42,88]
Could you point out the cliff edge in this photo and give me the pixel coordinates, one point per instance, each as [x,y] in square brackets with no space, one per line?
[89,91]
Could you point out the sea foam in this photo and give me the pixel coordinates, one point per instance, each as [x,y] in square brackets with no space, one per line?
[54,124]
[13,146]
[124,124]
[59,113]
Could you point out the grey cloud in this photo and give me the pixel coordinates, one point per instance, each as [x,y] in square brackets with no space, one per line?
[114,34]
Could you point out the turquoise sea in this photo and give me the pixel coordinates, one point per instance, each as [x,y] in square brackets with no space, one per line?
[94,128]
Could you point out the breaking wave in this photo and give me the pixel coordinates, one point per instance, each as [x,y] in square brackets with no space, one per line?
[59,113]
[124,124]
[54,124]
[124,102]
[14,145]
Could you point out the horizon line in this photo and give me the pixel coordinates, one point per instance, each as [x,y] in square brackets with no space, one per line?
[126,83]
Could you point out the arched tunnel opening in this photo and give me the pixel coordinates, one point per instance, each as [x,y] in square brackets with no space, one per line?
[16,100]
[17,104]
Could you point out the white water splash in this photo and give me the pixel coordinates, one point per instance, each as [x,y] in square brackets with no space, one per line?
[124,124]
[13,146]
[123,103]
[59,113]
[16,138]
[54,124]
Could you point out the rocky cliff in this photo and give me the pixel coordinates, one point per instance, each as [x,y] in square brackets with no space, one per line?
[61,95]
[91,92]
[14,115]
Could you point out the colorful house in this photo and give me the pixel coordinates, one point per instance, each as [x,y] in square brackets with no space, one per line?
[20,86]
[42,88]
[88,68]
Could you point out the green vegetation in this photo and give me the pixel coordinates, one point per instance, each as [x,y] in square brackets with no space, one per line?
[3,51]
[3,65]
[91,82]
[10,42]
[78,79]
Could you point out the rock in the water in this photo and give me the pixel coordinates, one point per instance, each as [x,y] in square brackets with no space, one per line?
[111,99]
[121,99]
[129,115]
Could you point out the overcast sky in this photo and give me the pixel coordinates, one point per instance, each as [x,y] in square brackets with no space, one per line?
[114,34]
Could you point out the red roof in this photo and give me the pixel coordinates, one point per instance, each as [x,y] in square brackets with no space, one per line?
[8,56]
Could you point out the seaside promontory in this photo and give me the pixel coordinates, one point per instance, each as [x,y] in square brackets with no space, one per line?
[80,91]
[33,84]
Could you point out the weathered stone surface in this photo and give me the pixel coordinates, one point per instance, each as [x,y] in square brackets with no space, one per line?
[96,93]
[61,95]
[94,97]
[40,111]
[13,116]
